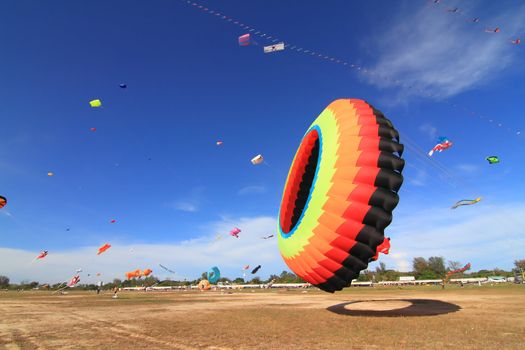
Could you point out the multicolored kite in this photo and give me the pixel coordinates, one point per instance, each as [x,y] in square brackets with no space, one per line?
[339,194]
[466,202]
[244,40]
[3,202]
[73,281]
[443,144]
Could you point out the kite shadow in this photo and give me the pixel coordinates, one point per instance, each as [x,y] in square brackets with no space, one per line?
[417,307]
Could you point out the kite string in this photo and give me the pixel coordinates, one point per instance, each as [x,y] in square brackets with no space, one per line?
[342,62]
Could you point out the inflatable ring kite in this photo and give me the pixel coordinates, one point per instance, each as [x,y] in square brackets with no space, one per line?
[339,194]
[214,274]
[204,285]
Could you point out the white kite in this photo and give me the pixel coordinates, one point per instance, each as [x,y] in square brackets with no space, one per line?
[258,159]
[273,48]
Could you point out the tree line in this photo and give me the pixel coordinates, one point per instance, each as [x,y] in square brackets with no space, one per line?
[432,268]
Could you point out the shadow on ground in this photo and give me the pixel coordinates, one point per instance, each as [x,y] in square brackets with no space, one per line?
[394,308]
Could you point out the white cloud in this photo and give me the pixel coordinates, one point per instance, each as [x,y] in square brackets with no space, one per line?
[467,168]
[188,258]
[487,236]
[429,130]
[251,190]
[420,179]
[440,54]
[186,206]
[190,203]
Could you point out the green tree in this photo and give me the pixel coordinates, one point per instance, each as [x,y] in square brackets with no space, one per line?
[520,265]
[4,282]
[238,280]
[255,280]
[428,275]
[437,265]
[419,265]
[454,265]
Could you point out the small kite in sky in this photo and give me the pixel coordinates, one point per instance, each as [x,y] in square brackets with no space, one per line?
[246,267]
[95,103]
[516,41]
[254,271]
[274,48]
[474,20]
[42,255]
[244,40]
[165,268]
[463,269]
[235,232]
[453,10]
[50,173]
[492,159]
[93,129]
[219,143]
[443,144]
[73,281]
[103,248]
[267,237]
[3,202]
[122,86]
[258,159]
[495,30]
[112,221]
[466,202]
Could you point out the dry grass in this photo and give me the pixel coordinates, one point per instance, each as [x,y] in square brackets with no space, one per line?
[487,317]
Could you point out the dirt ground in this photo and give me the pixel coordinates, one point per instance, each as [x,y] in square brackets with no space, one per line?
[473,317]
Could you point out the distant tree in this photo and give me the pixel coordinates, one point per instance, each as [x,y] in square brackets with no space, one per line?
[454,265]
[4,281]
[391,275]
[419,265]
[520,265]
[428,275]
[33,284]
[238,280]
[437,265]
[117,282]
[150,280]
[365,276]
[498,272]
[204,276]
[255,280]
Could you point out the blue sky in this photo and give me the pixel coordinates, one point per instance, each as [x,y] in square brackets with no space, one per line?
[153,164]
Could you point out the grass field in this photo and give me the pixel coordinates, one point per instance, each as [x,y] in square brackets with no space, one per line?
[473,317]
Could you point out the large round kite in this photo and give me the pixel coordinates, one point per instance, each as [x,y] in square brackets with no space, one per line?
[339,194]
[204,285]
[214,274]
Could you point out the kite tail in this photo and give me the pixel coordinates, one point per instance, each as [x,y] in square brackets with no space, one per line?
[431,153]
